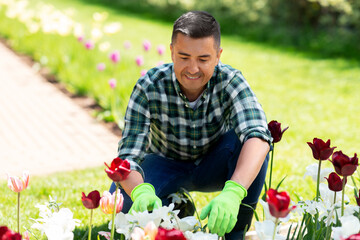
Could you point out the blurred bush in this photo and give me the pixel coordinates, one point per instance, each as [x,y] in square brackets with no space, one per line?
[325,27]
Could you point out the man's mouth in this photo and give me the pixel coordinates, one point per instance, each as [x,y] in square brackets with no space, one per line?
[192,77]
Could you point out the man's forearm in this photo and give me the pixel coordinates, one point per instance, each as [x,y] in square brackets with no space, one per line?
[131,182]
[249,163]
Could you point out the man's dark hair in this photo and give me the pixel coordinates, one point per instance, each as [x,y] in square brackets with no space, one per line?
[197,24]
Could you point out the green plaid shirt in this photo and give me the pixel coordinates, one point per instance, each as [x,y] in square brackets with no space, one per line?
[159,119]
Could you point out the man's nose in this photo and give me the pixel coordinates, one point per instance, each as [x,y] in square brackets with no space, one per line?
[193,67]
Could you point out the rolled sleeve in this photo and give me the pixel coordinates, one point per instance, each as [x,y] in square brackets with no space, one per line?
[132,145]
[247,115]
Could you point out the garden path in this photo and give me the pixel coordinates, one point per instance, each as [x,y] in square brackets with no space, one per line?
[41,129]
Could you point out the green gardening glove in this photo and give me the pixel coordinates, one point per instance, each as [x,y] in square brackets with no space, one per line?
[224,208]
[144,198]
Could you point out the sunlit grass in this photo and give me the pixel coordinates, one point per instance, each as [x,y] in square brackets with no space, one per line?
[315,97]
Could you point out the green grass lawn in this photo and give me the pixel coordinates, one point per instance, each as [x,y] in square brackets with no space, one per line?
[314,96]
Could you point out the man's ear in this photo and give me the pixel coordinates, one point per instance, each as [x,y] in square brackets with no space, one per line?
[218,55]
[172,52]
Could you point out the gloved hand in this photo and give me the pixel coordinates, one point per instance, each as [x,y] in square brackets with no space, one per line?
[144,198]
[224,208]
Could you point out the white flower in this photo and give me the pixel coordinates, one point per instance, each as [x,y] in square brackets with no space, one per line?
[112,28]
[265,230]
[328,196]
[349,225]
[100,17]
[200,236]
[56,225]
[104,46]
[142,218]
[177,198]
[188,223]
[122,224]
[312,171]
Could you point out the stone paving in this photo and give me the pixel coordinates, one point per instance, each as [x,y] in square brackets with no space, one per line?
[43,130]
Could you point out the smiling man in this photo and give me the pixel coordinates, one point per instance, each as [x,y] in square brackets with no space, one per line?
[196,124]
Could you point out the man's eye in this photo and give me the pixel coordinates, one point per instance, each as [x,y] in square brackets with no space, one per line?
[184,58]
[203,60]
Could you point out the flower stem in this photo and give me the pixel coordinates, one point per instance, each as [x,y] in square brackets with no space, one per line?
[318,182]
[90,225]
[334,198]
[342,198]
[113,215]
[353,180]
[18,213]
[271,164]
[274,233]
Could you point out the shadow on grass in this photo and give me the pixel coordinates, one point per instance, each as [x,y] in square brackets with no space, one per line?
[312,43]
[82,233]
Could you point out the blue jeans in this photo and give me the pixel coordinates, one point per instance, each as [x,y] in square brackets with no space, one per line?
[168,176]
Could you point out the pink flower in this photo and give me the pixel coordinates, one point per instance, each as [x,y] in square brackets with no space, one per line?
[146,45]
[160,63]
[89,45]
[100,67]
[80,38]
[139,60]
[161,49]
[107,235]
[17,184]
[115,56]
[26,235]
[143,72]
[107,202]
[112,83]
[127,44]
[150,231]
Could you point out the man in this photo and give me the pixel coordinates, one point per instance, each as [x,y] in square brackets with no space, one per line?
[196,124]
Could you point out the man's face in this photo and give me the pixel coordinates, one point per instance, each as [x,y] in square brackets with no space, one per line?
[194,62]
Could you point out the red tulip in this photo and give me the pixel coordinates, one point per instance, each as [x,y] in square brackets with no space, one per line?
[173,234]
[352,237]
[7,234]
[278,203]
[344,166]
[92,200]
[320,149]
[335,182]
[358,199]
[118,170]
[275,129]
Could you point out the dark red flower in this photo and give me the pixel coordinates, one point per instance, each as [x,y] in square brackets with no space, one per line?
[320,149]
[344,166]
[118,170]
[358,199]
[278,203]
[7,234]
[92,200]
[173,234]
[275,129]
[335,182]
[352,237]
